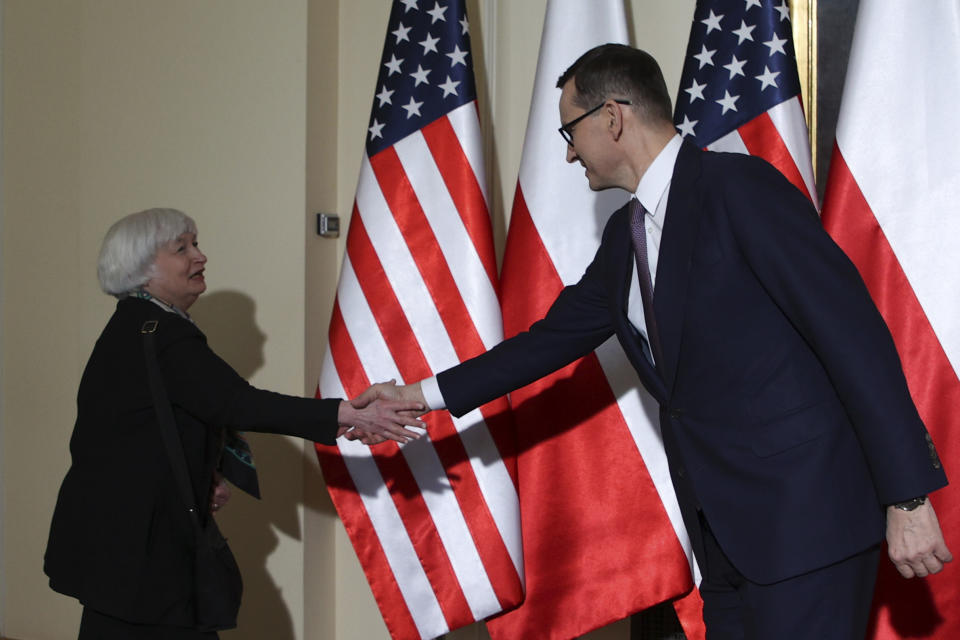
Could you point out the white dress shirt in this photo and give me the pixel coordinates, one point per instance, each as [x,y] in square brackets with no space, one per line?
[652,194]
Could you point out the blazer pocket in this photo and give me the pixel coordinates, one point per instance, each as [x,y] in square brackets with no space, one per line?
[795,428]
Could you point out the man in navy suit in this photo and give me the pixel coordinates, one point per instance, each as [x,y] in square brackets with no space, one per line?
[792,439]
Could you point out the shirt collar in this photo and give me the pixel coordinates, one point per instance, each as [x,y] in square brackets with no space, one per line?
[654,182]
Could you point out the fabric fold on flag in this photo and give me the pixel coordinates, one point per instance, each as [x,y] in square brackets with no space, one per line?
[891,203]
[434,522]
[602,533]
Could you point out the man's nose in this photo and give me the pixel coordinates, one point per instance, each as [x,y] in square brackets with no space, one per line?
[571,153]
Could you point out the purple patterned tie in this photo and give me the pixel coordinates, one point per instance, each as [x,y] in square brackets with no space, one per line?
[639,233]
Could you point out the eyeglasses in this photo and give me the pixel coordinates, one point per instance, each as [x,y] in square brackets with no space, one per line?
[566,131]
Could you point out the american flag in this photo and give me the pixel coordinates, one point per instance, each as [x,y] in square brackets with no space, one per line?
[739,90]
[434,522]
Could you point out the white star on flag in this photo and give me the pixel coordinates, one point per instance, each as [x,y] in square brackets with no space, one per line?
[776,45]
[713,22]
[437,13]
[783,10]
[412,108]
[696,90]
[402,33]
[429,44]
[728,102]
[705,57]
[457,57]
[768,78]
[384,96]
[686,127]
[393,65]
[420,75]
[735,67]
[745,32]
[449,87]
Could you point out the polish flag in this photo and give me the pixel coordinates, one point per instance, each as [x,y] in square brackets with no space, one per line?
[602,533]
[893,204]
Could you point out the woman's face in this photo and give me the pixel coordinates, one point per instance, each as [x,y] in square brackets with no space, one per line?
[177,272]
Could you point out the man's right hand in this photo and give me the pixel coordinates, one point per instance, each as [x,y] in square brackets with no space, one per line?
[409,395]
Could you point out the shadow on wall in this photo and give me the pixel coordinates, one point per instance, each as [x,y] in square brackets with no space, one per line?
[228,318]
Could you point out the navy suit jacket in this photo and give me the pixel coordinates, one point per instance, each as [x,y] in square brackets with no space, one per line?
[783,406]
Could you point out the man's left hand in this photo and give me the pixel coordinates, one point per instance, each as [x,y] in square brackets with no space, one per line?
[915,542]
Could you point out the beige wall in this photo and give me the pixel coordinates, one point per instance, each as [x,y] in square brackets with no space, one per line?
[250,115]
[111,106]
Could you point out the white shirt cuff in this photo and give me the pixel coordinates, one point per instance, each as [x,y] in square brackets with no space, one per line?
[431,393]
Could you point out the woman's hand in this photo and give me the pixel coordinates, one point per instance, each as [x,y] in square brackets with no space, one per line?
[376,420]
[219,493]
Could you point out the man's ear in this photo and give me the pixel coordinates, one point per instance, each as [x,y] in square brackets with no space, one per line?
[614,118]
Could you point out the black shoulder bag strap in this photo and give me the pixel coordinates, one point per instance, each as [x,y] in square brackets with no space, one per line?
[168,426]
[218,583]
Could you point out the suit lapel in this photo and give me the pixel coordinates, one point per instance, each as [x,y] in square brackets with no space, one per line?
[673,267]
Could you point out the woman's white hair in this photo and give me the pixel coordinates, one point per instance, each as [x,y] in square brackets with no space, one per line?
[130,247]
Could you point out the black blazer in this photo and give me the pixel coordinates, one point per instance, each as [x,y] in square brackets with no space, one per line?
[121,541]
[784,411]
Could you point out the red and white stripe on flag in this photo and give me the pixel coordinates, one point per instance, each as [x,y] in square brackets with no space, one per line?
[434,522]
[602,533]
[780,137]
[893,204]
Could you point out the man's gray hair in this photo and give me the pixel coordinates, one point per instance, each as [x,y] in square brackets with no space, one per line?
[131,244]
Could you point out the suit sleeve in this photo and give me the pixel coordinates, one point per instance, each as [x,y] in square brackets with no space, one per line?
[577,322]
[821,292]
[205,386]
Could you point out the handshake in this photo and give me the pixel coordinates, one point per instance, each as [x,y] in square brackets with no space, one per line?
[383,412]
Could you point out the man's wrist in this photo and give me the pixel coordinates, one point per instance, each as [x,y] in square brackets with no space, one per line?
[910,505]
[431,394]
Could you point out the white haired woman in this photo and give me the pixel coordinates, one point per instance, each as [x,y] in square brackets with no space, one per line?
[121,541]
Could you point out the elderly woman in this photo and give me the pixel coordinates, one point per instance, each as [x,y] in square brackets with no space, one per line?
[121,541]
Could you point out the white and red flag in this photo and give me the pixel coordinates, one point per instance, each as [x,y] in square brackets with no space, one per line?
[434,522]
[739,90]
[893,204]
[602,533]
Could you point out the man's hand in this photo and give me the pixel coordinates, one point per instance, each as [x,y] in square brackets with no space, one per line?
[390,391]
[386,390]
[915,542]
[408,394]
[375,417]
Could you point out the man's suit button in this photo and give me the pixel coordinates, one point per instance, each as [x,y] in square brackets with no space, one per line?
[676,413]
[681,473]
